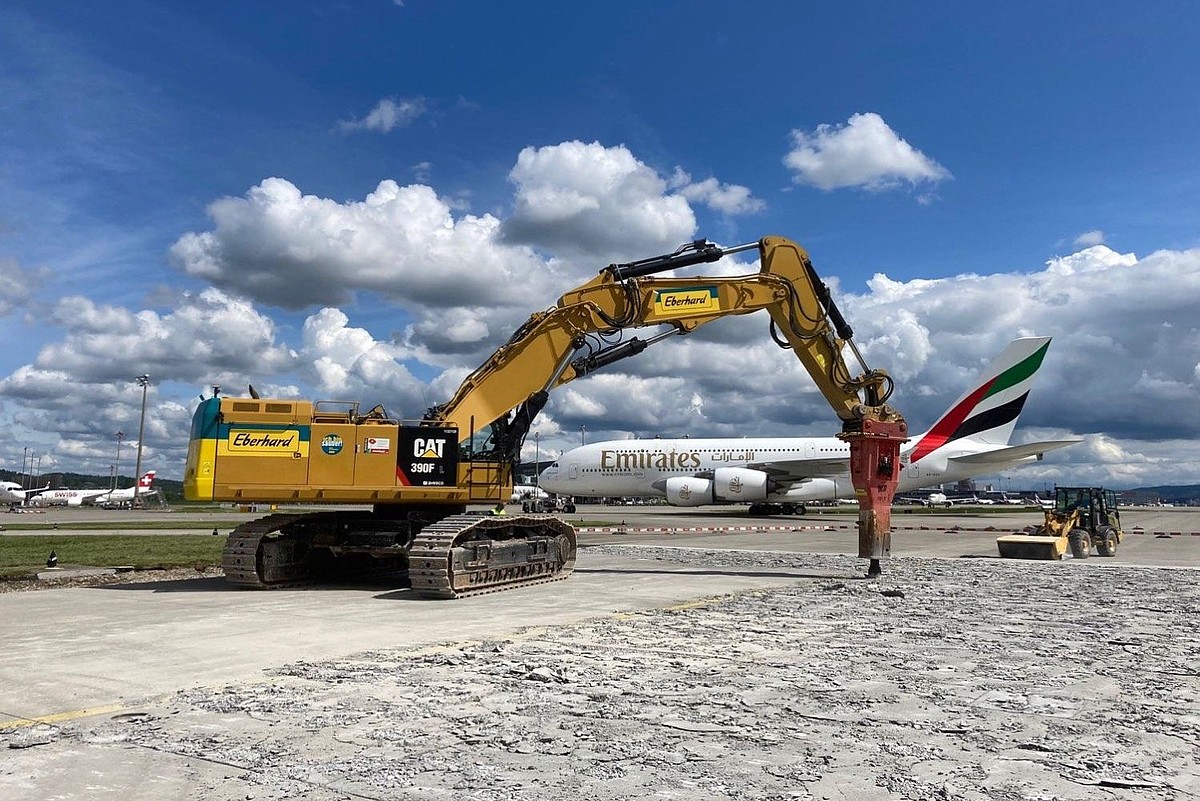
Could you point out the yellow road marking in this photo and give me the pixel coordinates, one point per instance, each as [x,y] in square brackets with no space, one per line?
[59,717]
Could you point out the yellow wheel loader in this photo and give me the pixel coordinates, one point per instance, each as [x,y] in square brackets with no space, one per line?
[1082,518]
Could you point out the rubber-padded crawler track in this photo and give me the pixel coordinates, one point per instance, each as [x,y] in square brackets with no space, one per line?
[245,566]
[457,556]
[470,555]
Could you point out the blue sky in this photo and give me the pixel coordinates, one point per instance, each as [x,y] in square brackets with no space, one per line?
[175,180]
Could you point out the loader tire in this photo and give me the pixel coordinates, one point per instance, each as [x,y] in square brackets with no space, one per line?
[1106,541]
[1080,542]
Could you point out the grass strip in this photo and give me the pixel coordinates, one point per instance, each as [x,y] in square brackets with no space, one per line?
[116,525]
[26,555]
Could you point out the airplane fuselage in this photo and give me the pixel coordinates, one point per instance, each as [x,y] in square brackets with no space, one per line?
[642,467]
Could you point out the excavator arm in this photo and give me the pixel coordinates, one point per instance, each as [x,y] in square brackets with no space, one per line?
[558,345]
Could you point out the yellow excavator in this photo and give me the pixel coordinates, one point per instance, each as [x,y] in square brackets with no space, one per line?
[416,478]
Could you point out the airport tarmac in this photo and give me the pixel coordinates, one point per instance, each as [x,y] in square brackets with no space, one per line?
[677,665]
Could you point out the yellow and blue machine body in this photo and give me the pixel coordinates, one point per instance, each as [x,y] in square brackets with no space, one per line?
[251,450]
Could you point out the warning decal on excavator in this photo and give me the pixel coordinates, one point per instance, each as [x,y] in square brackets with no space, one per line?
[427,456]
[685,302]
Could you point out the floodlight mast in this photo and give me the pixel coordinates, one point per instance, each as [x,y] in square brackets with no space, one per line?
[143,381]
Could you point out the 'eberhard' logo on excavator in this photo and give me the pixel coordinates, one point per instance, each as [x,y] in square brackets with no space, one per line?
[264,442]
[685,302]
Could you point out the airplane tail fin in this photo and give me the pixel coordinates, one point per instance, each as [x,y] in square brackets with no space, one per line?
[147,481]
[988,411]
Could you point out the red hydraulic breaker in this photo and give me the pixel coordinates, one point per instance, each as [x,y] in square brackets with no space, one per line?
[875,472]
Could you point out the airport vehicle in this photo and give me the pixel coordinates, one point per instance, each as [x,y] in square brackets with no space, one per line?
[780,474]
[418,476]
[1082,517]
[550,503]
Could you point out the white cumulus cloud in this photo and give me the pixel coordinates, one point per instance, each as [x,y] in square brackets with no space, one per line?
[864,152]
[587,200]
[280,247]
[729,199]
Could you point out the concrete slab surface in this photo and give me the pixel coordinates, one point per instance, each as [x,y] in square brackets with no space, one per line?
[676,666]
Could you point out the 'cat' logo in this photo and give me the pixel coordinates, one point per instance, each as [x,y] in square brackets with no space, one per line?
[428,448]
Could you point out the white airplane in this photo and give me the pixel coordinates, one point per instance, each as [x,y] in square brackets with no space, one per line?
[941,499]
[78,497]
[527,492]
[122,496]
[12,494]
[781,474]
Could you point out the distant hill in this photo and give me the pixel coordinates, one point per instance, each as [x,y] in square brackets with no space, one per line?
[1178,494]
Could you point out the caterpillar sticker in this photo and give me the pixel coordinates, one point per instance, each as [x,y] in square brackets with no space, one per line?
[427,456]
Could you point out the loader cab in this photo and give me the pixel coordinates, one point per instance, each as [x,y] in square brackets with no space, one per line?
[1097,506]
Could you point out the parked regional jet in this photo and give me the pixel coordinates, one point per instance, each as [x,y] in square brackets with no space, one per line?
[124,496]
[78,497]
[941,499]
[12,494]
[781,474]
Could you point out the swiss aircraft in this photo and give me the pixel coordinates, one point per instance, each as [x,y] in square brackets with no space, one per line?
[124,496]
[779,475]
[12,494]
[79,497]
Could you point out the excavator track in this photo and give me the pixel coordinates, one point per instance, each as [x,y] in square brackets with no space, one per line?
[258,554]
[470,555]
[457,556]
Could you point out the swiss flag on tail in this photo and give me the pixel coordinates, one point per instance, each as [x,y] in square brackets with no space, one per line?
[146,481]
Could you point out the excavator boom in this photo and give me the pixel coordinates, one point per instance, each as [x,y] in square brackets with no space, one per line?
[553,348]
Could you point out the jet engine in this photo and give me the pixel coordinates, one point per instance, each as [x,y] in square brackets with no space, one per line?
[727,485]
[688,491]
[742,485]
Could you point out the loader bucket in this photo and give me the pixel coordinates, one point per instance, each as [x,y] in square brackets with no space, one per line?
[1029,546]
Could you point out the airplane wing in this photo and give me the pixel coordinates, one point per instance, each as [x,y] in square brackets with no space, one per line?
[791,471]
[1013,454]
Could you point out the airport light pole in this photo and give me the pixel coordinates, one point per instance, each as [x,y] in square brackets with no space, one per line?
[144,382]
[24,475]
[116,478]
[582,436]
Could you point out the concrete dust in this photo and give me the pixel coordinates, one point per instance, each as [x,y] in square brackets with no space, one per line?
[967,679]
